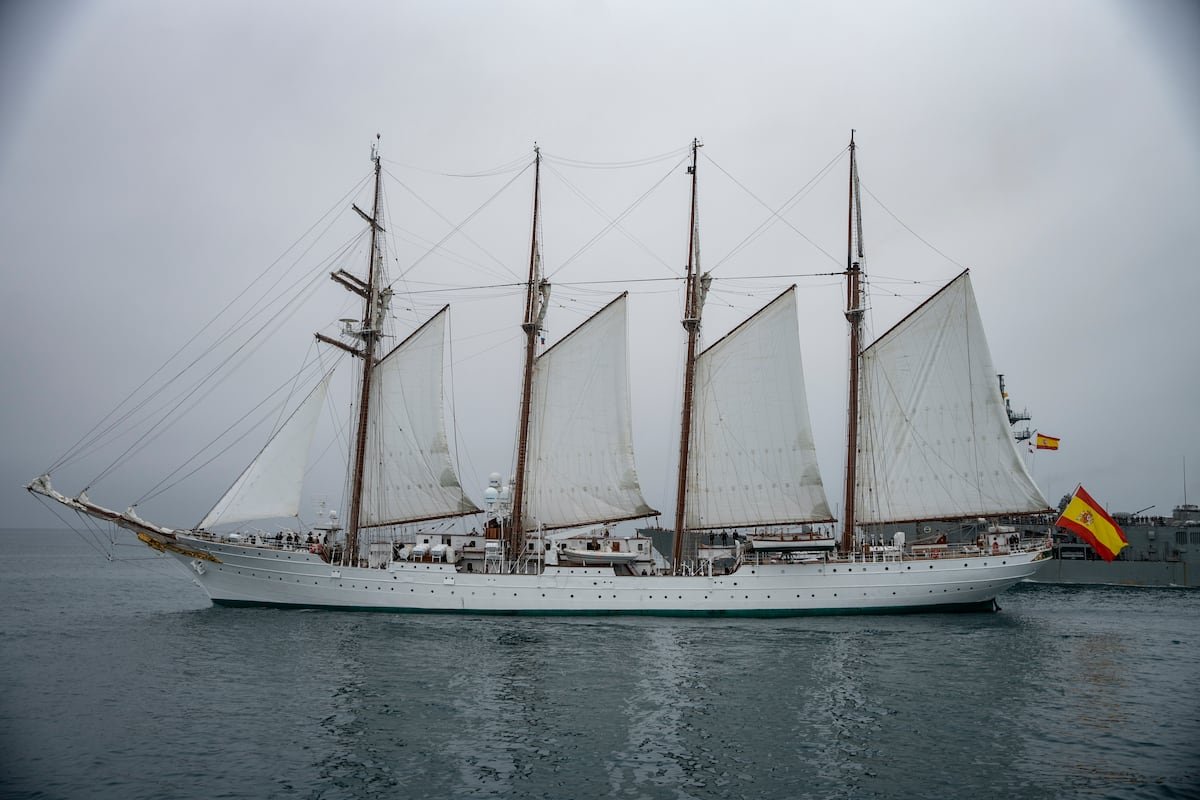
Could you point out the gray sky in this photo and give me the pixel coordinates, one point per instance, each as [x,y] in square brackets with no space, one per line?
[156,156]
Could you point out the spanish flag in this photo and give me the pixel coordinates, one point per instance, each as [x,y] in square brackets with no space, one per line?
[1045,442]
[1084,517]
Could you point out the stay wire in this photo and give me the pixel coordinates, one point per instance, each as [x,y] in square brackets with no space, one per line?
[155,491]
[919,237]
[458,228]
[175,402]
[283,405]
[458,459]
[54,509]
[613,222]
[640,162]
[95,440]
[501,169]
[611,281]
[160,427]
[70,451]
[777,214]
[418,239]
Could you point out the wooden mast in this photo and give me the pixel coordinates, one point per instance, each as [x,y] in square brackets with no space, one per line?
[854,314]
[370,337]
[691,323]
[531,326]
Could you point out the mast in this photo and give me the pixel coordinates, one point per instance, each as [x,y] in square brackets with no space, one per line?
[531,326]
[370,337]
[854,314]
[691,323]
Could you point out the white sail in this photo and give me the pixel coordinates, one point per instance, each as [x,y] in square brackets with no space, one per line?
[270,486]
[934,439]
[407,472]
[579,463]
[752,460]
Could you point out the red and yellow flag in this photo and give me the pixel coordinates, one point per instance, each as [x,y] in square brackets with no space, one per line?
[1045,442]
[1084,517]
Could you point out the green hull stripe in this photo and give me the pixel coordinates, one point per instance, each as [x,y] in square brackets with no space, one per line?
[951,608]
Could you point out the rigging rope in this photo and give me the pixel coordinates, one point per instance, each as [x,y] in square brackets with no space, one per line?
[776,214]
[502,169]
[85,440]
[614,222]
[623,281]
[640,162]
[155,491]
[162,425]
[99,438]
[920,238]
[458,227]
[432,246]
[454,421]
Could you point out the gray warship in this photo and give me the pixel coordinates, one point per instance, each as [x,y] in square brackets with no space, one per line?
[1162,551]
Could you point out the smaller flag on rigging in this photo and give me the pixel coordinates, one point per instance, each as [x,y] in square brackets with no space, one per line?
[1084,517]
[1045,442]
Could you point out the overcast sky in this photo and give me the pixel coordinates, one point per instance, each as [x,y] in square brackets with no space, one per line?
[154,157]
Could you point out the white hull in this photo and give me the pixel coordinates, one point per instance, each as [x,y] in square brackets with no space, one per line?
[248,575]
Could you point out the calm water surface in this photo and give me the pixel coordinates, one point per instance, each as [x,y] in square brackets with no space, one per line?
[121,681]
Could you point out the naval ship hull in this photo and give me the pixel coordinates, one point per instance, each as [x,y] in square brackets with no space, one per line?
[1119,573]
[1164,551]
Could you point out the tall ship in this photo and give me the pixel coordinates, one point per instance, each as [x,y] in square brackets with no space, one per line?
[927,437]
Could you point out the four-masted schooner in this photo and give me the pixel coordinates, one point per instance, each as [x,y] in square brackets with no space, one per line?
[927,438]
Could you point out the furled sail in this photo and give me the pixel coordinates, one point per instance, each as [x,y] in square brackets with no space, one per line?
[934,440]
[752,458]
[270,486]
[580,468]
[408,475]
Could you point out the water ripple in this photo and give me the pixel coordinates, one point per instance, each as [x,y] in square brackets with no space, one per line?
[121,682]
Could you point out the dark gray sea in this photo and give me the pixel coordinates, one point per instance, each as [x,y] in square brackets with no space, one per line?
[121,681]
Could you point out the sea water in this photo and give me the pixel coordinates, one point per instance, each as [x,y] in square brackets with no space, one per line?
[120,680]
